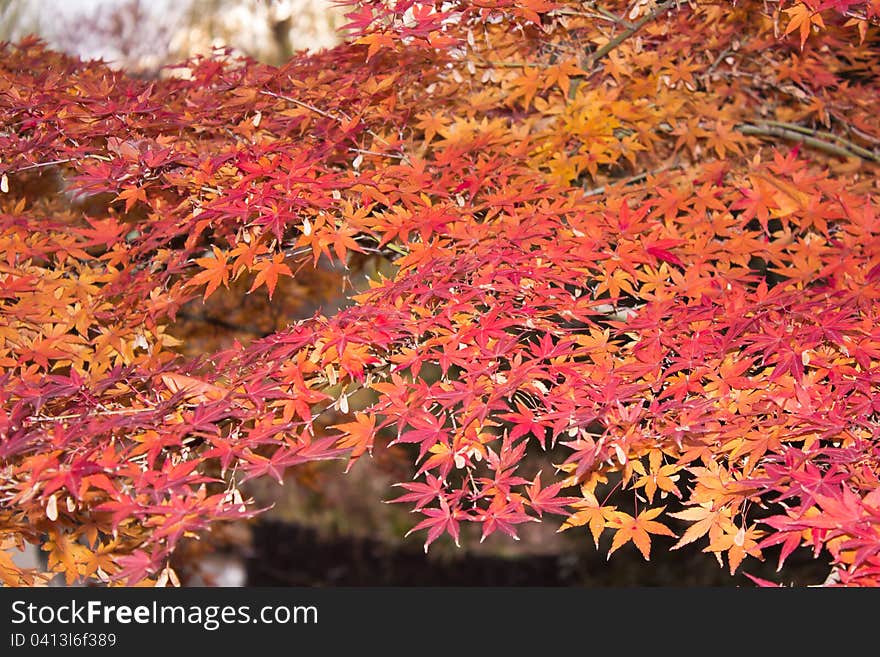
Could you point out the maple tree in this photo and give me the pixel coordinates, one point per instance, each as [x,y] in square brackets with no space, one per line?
[638,242]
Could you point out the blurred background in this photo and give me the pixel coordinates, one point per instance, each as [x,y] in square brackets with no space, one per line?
[141,36]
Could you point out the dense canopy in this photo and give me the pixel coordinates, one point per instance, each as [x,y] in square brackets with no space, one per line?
[636,242]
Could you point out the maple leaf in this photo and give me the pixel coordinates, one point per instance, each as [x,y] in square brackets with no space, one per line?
[704,520]
[131,194]
[525,422]
[560,74]
[192,388]
[101,558]
[803,19]
[376,42]
[790,541]
[431,124]
[245,254]
[637,530]
[151,443]
[737,542]
[763,583]
[427,430]
[268,272]
[662,477]
[447,518]
[421,494]
[525,85]
[502,515]
[215,271]
[139,565]
[65,556]
[105,232]
[589,512]
[11,574]
[357,436]
[547,499]
[660,250]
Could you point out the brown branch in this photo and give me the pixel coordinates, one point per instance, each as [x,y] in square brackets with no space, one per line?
[605,50]
[821,141]
[828,136]
[626,34]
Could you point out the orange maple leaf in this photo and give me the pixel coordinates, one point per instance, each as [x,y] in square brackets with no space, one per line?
[269,271]
[802,18]
[662,477]
[704,519]
[637,530]
[357,435]
[590,513]
[131,194]
[214,272]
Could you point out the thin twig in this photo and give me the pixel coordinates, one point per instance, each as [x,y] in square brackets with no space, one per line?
[860,133]
[80,416]
[312,108]
[596,191]
[614,18]
[491,64]
[39,165]
[364,151]
[332,117]
[724,53]
[802,96]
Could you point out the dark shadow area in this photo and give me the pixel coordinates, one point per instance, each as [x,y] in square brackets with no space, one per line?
[292,555]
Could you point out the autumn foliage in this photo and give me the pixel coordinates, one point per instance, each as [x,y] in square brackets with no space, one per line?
[636,242]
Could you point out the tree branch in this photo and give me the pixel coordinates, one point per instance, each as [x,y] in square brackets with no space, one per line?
[627,33]
[602,52]
[820,140]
